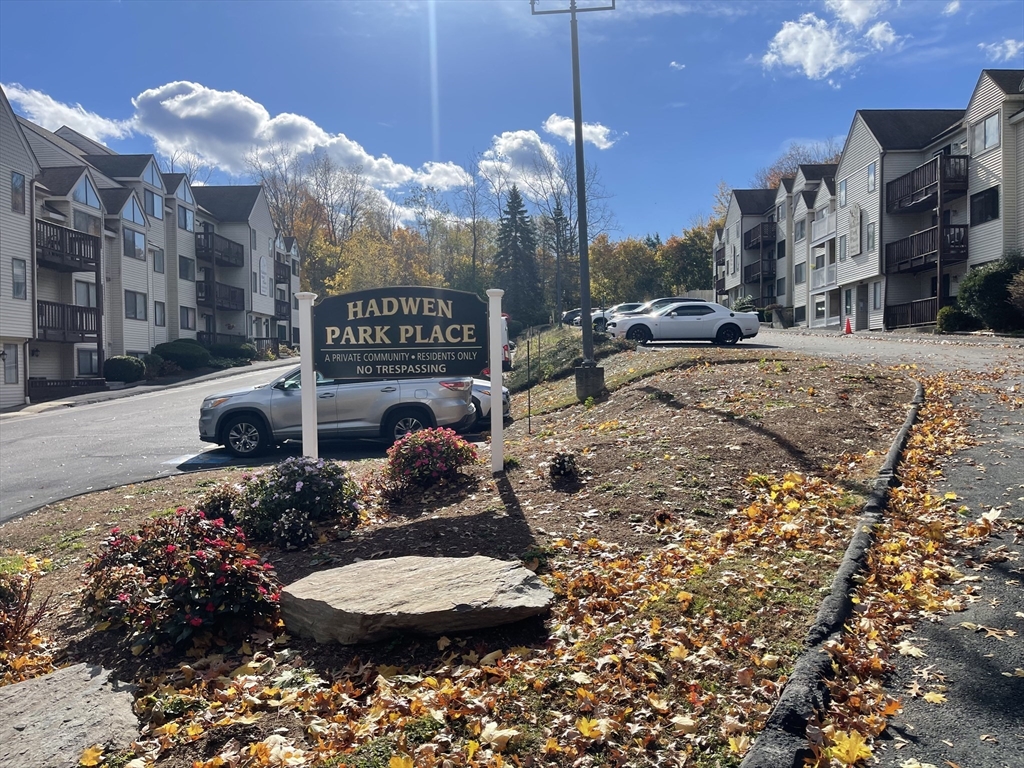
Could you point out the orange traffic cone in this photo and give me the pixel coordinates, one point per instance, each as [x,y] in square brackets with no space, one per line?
[848,328]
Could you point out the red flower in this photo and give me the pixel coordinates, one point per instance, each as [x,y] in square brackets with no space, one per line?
[196,622]
[171,548]
[123,597]
[115,530]
[210,607]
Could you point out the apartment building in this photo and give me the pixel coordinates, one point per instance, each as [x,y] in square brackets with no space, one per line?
[884,238]
[102,254]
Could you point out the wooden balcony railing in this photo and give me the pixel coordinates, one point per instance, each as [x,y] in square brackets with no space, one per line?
[213,247]
[207,339]
[720,257]
[760,234]
[282,273]
[915,191]
[720,285]
[919,251]
[266,344]
[226,297]
[921,312]
[282,310]
[752,273]
[65,322]
[40,390]
[66,250]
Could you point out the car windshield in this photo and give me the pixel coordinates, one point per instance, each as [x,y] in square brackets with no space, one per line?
[665,310]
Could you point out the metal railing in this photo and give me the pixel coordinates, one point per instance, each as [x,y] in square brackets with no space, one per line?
[912,189]
[213,247]
[41,390]
[920,312]
[66,249]
[921,248]
[282,272]
[759,234]
[65,322]
[227,297]
[752,273]
[282,309]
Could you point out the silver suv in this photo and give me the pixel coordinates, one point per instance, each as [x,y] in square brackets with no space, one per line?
[250,421]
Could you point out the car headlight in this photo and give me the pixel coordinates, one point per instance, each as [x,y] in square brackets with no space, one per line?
[214,402]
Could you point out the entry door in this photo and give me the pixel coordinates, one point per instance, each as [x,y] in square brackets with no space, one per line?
[861,323]
[286,408]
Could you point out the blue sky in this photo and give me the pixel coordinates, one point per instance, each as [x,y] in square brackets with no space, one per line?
[678,95]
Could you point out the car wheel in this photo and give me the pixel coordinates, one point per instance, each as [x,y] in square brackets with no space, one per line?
[246,436]
[641,334]
[402,423]
[728,334]
[599,324]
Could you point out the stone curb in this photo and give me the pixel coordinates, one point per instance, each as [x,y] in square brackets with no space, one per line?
[783,742]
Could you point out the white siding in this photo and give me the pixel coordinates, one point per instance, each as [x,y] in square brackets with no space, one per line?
[1019,128]
[985,242]
[13,394]
[798,252]
[16,241]
[861,149]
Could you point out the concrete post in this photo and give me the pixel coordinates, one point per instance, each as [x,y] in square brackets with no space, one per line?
[494,353]
[310,447]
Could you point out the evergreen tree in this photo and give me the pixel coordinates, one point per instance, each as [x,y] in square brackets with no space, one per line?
[515,263]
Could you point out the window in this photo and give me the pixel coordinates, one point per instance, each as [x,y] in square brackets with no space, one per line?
[800,273]
[985,206]
[255,283]
[871,176]
[780,212]
[158,260]
[985,135]
[800,230]
[11,364]
[282,333]
[134,244]
[188,318]
[295,303]
[780,250]
[159,314]
[19,279]
[88,362]
[780,287]
[83,222]
[152,176]
[132,212]
[135,305]
[185,194]
[842,193]
[85,194]
[187,268]
[252,239]
[819,308]
[738,223]
[876,294]
[186,219]
[799,315]
[295,267]
[85,294]
[871,236]
[842,247]
[848,302]
[17,192]
[154,204]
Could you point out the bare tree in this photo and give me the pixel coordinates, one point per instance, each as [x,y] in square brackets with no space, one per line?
[285,180]
[787,164]
[496,173]
[551,185]
[192,165]
[382,214]
[470,201]
[342,192]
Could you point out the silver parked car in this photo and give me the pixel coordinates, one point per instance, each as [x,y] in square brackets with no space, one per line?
[482,402]
[251,421]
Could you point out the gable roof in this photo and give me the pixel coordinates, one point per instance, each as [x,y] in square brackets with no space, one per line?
[909,128]
[120,166]
[60,181]
[808,195]
[114,199]
[6,106]
[288,242]
[1010,81]
[83,142]
[228,203]
[171,181]
[830,184]
[754,201]
[36,133]
[818,171]
[787,183]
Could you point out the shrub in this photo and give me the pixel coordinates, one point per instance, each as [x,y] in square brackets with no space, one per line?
[123,368]
[744,304]
[952,319]
[233,351]
[427,457]
[154,365]
[985,293]
[274,501]
[223,501]
[186,353]
[564,467]
[1016,291]
[515,327]
[189,342]
[169,368]
[23,653]
[178,577]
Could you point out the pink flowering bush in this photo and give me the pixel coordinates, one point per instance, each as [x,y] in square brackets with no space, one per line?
[222,500]
[425,458]
[282,504]
[180,577]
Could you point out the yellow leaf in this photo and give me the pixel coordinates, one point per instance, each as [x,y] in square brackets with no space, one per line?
[194,731]
[950,496]
[589,727]
[660,705]
[684,724]
[471,748]
[679,652]
[386,670]
[849,748]
[442,643]
[401,761]
[496,738]
[739,744]
[102,626]
[551,746]
[907,648]
[491,658]
[92,756]
[933,697]
[770,660]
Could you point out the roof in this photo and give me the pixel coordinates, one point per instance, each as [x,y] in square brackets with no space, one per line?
[82,141]
[120,166]
[830,184]
[909,128]
[72,151]
[289,242]
[1010,81]
[754,201]
[228,203]
[809,195]
[60,181]
[818,171]
[172,180]
[787,182]
[114,199]
[22,139]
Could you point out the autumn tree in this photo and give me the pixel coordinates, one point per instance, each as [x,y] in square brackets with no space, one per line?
[686,261]
[797,154]
[515,262]
[624,271]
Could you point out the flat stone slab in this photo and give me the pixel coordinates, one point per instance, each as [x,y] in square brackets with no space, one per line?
[48,721]
[375,599]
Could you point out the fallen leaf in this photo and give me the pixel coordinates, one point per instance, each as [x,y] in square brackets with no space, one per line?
[849,748]
[907,648]
[92,755]
[934,698]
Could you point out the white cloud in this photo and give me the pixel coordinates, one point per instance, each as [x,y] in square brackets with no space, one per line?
[951,7]
[46,111]
[856,13]
[518,156]
[599,135]
[881,36]
[811,45]
[676,65]
[1008,50]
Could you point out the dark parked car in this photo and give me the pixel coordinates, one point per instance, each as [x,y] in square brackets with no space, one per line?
[570,315]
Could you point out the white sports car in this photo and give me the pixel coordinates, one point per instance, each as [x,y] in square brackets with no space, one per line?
[689,321]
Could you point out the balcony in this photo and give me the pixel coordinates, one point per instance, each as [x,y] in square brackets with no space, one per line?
[65,322]
[917,191]
[66,250]
[760,235]
[211,247]
[208,339]
[720,285]
[822,276]
[920,251]
[752,273]
[41,390]
[226,297]
[282,310]
[921,312]
[282,273]
[823,229]
[720,257]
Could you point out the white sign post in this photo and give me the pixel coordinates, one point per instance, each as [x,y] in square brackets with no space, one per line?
[497,405]
[309,426]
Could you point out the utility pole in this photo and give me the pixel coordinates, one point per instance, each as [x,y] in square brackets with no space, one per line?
[589,378]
